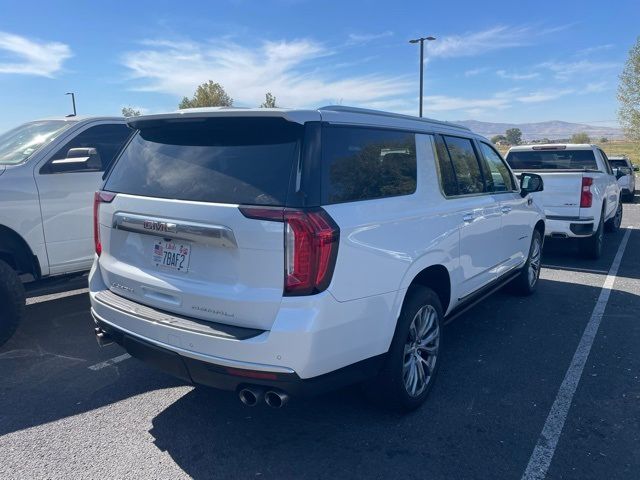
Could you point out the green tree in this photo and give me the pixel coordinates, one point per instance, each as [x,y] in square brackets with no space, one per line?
[269,101]
[498,138]
[580,137]
[629,94]
[604,140]
[130,112]
[514,136]
[208,94]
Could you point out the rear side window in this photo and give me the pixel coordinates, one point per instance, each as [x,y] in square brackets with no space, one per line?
[500,179]
[465,165]
[552,160]
[221,160]
[366,163]
[447,175]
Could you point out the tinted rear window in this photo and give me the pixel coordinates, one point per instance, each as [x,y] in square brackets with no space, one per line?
[221,160]
[367,163]
[552,160]
[618,163]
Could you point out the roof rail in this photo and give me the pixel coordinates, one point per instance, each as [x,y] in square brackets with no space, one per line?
[381,113]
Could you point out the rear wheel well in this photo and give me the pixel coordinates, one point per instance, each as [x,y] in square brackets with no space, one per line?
[436,277]
[17,254]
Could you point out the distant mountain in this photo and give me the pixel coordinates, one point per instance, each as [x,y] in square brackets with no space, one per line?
[552,130]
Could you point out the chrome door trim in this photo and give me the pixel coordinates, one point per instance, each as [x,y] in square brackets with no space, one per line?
[217,235]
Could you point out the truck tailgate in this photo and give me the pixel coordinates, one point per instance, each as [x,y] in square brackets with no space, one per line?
[561,194]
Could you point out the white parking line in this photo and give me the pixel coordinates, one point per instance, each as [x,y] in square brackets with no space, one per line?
[111,361]
[56,296]
[545,448]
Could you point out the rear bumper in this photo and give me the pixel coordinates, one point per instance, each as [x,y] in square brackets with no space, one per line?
[225,377]
[569,227]
[311,337]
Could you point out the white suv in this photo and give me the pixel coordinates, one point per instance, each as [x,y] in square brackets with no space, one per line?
[284,252]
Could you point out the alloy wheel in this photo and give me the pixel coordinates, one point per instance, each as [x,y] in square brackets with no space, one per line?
[535,260]
[617,221]
[421,351]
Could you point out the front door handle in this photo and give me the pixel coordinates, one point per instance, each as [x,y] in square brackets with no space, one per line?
[506,209]
[468,217]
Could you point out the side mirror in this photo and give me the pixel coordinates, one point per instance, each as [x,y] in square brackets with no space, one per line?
[530,183]
[78,160]
[636,168]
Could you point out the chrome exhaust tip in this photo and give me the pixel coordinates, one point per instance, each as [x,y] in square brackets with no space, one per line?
[251,396]
[276,399]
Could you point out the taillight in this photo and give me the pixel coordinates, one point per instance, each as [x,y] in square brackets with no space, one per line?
[311,239]
[98,198]
[586,197]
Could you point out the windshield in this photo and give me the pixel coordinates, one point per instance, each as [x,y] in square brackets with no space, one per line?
[552,160]
[19,144]
[228,160]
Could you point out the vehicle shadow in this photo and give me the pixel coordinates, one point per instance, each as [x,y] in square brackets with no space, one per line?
[565,254]
[45,375]
[503,363]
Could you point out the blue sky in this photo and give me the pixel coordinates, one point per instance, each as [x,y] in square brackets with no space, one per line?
[493,60]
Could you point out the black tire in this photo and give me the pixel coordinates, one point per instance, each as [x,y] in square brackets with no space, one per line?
[591,247]
[388,388]
[613,224]
[527,281]
[12,300]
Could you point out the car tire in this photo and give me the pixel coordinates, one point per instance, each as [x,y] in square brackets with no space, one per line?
[413,358]
[591,247]
[12,301]
[613,224]
[527,281]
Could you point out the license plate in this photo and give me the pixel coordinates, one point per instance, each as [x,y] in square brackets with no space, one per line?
[171,255]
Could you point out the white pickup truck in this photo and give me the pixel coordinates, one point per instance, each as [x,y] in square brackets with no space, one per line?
[581,197]
[49,172]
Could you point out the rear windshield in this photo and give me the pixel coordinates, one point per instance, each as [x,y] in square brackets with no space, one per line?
[552,160]
[220,160]
[618,163]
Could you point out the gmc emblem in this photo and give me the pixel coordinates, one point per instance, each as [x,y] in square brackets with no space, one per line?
[159,226]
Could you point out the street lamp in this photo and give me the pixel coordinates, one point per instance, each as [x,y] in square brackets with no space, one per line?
[421,41]
[73,100]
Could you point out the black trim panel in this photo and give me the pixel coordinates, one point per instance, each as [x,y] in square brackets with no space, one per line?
[569,218]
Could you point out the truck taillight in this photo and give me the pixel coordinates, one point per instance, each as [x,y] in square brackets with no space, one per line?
[311,239]
[586,197]
[98,198]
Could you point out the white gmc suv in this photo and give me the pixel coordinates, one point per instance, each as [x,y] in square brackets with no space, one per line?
[581,197]
[49,171]
[283,252]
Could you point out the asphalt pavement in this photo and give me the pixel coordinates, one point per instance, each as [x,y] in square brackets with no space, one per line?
[69,409]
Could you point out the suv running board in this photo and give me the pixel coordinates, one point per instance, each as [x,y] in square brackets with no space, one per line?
[475,298]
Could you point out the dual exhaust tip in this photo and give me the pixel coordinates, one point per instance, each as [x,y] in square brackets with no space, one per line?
[252,395]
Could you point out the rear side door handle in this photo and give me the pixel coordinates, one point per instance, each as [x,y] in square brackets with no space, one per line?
[468,217]
[506,209]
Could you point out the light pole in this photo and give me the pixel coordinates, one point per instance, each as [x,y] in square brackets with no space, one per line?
[73,100]
[421,41]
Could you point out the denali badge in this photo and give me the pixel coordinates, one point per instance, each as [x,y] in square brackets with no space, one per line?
[157,226]
[122,287]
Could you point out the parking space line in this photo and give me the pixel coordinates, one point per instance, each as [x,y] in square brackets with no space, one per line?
[56,296]
[545,447]
[111,361]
